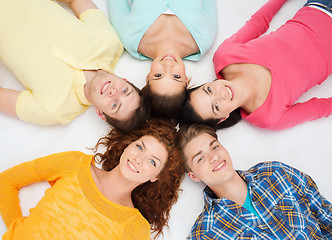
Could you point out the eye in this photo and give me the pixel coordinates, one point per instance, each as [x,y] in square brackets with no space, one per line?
[209,89]
[125,91]
[200,159]
[215,147]
[176,76]
[153,162]
[216,106]
[114,105]
[139,147]
[158,75]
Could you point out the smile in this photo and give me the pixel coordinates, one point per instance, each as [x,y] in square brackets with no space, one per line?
[230,93]
[104,87]
[219,166]
[169,57]
[132,167]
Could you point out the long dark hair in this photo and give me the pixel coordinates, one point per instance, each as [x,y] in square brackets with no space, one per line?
[166,106]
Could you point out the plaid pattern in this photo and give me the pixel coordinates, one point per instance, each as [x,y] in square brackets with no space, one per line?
[287,200]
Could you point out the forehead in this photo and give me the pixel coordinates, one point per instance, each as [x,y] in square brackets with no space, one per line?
[128,105]
[167,86]
[201,103]
[198,144]
[155,147]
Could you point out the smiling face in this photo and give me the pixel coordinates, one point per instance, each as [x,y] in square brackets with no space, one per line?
[112,95]
[167,75]
[214,100]
[208,160]
[142,160]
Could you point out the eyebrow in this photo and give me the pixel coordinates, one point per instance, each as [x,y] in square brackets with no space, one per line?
[211,143]
[212,108]
[174,79]
[120,104]
[152,154]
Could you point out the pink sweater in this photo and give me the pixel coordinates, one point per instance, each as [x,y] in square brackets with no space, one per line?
[298,55]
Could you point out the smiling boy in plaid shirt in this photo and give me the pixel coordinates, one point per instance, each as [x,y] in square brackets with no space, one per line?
[269,201]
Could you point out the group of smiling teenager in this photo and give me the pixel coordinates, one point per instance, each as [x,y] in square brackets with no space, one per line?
[66,64]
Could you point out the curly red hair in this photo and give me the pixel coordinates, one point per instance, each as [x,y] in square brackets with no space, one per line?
[153,199]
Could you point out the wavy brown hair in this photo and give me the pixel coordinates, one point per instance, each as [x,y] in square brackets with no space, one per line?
[153,199]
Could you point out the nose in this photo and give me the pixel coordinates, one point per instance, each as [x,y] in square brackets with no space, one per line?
[213,157]
[113,91]
[140,158]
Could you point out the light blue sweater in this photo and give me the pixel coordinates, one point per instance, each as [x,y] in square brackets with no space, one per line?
[131,19]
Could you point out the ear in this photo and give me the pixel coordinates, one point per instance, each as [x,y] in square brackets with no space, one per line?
[223,119]
[153,180]
[147,79]
[100,114]
[193,177]
[188,81]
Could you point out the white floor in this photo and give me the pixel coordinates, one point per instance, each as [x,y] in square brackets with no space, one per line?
[306,147]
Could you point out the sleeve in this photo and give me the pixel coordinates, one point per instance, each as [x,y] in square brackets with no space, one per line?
[118,12]
[49,168]
[29,109]
[95,17]
[258,24]
[301,112]
[319,206]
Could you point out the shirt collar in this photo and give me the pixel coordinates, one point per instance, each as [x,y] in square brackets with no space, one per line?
[210,197]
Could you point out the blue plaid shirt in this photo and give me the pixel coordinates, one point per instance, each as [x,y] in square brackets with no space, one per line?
[286,199]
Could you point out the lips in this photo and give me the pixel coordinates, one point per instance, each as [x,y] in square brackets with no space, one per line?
[169,57]
[230,92]
[104,88]
[131,166]
[221,165]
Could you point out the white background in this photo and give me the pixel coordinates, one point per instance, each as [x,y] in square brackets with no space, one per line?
[306,147]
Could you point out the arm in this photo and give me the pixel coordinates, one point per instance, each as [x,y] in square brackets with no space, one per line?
[8,99]
[79,6]
[11,181]
[49,168]
[301,112]
[258,23]
[118,11]
[319,206]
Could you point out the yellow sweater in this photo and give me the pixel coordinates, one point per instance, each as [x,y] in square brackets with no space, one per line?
[72,208]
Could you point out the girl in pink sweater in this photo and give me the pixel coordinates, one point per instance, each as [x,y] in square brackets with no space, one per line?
[261,77]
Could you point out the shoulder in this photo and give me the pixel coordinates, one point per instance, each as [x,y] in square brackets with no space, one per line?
[278,173]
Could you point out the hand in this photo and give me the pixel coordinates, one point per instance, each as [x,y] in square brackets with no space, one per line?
[8,99]
[79,6]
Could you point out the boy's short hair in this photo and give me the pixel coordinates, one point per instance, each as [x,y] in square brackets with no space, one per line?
[188,133]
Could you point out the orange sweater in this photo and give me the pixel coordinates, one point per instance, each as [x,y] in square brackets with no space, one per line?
[72,208]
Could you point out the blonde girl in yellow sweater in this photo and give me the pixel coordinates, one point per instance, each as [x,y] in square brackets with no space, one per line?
[132,192]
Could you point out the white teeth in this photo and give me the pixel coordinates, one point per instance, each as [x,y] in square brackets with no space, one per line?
[105,87]
[219,166]
[230,92]
[169,58]
[132,166]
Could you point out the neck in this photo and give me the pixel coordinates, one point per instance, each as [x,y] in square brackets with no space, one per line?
[253,79]
[89,75]
[235,190]
[162,48]
[113,185]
